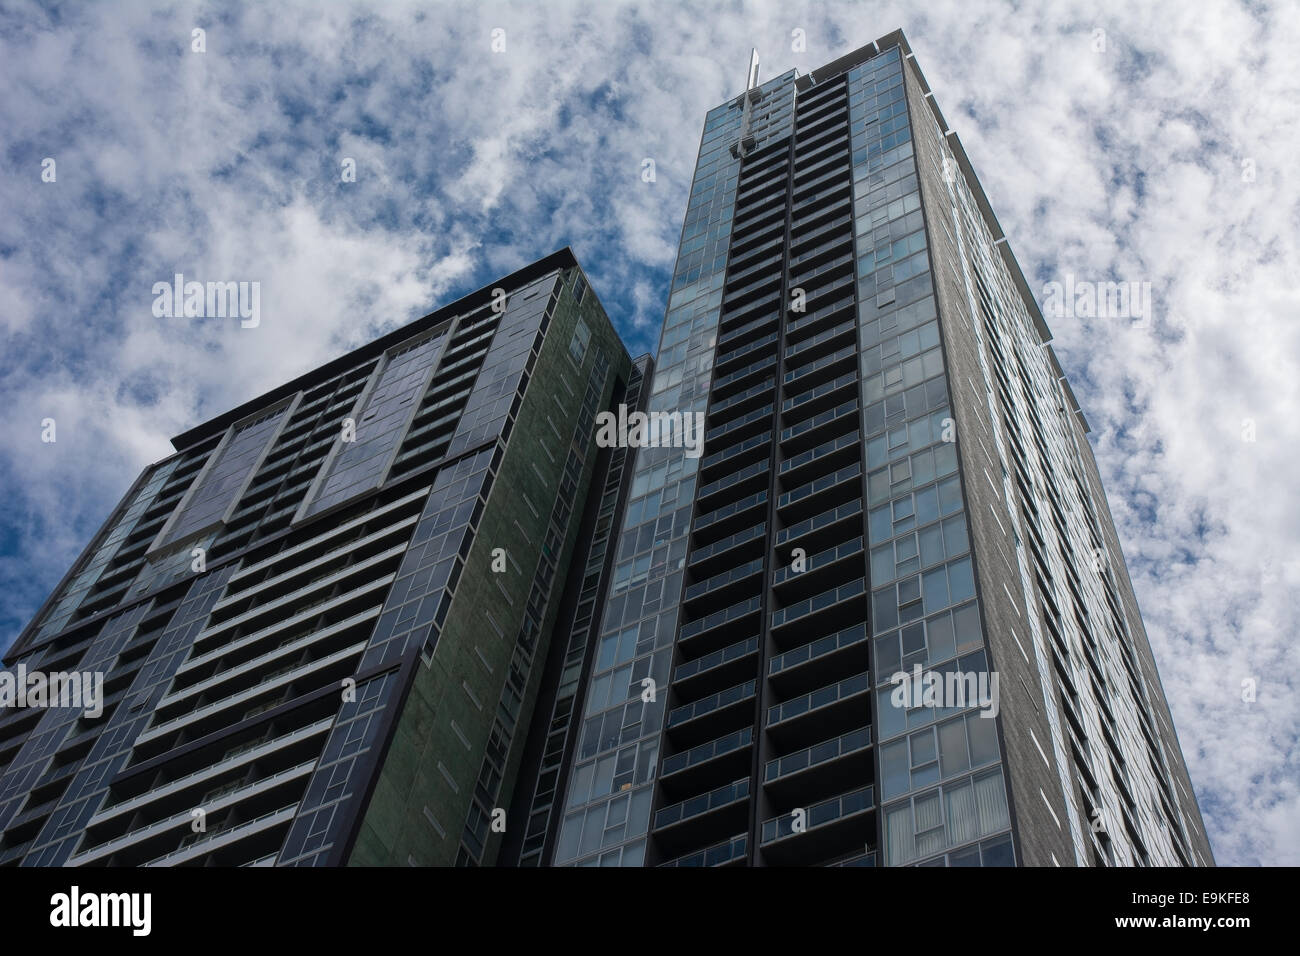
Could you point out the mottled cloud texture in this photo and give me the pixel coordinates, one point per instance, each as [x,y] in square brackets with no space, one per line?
[1167,157]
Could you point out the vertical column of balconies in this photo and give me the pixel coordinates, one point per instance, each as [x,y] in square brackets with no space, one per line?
[703,810]
[769,708]
[816,773]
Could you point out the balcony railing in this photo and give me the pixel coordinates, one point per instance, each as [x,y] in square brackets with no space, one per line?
[824,752]
[717,658]
[726,544]
[822,697]
[738,740]
[719,854]
[707,705]
[818,648]
[845,592]
[837,808]
[702,804]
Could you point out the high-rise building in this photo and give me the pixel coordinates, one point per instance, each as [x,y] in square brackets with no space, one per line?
[895,479]
[320,623]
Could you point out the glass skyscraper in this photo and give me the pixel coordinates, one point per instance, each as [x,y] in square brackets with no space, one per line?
[895,480]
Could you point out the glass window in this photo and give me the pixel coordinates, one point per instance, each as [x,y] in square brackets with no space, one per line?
[936,588]
[998,851]
[966,624]
[581,786]
[961,580]
[887,658]
[581,338]
[954,535]
[895,769]
[952,747]
[931,545]
[927,505]
[939,634]
[983,739]
[923,749]
[593,829]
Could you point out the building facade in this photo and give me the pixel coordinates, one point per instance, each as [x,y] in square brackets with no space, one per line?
[895,479]
[320,623]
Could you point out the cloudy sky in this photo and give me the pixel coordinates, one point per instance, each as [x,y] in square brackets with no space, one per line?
[1140,142]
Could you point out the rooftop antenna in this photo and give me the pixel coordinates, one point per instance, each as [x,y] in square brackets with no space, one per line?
[745,141]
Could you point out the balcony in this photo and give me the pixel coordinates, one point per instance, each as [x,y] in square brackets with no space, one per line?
[831,766]
[256,750]
[723,386]
[819,397]
[838,607]
[826,569]
[763,284]
[828,829]
[749,350]
[835,453]
[683,826]
[813,496]
[740,483]
[714,465]
[721,668]
[738,429]
[144,835]
[727,853]
[819,428]
[735,547]
[721,586]
[768,245]
[823,343]
[740,402]
[833,173]
[836,708]
[742,333]
[765,189]
[712,716]
[223,838]
[841,360]
[708,764]
[821,272]
[823,529]
[816,663]
[729,518]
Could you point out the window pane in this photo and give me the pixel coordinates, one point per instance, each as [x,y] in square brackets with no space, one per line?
[931,545]
[938,632]
[983,739]
[922,747]
[927,505]
[936,589]
[966,623]
[949,496]
[895,769]
[952,748]
[961,580]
